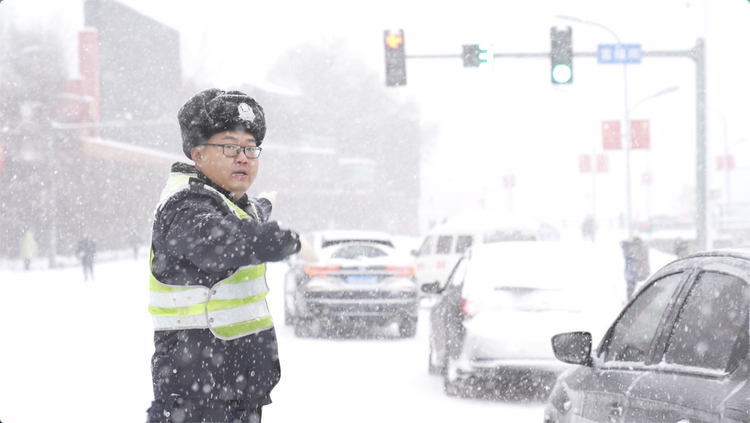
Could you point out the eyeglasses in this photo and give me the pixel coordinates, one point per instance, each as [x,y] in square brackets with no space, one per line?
[232,150]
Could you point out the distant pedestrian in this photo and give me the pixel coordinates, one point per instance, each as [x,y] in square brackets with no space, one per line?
[29,249]
[589,228]
[86,252]
[637,266]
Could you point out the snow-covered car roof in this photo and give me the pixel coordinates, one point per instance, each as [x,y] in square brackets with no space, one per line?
[742,252]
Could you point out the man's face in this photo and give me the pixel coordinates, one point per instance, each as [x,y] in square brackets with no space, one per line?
[234,174]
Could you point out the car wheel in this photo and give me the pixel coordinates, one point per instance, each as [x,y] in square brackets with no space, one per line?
[407,328]
[453,388]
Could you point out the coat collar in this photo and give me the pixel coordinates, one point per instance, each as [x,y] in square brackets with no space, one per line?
[197,174]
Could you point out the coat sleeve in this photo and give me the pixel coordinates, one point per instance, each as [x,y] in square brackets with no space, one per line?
[263,207]
[201,229]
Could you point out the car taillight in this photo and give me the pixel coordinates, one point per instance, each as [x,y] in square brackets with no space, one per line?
[320,271]
[402,271]
[469,308]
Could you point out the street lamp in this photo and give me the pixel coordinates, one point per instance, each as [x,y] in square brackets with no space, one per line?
[626,127]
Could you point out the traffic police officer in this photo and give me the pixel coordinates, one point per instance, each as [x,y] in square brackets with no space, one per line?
[216,356]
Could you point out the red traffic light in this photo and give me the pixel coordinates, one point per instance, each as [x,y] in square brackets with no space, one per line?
[395,58]
[394,40]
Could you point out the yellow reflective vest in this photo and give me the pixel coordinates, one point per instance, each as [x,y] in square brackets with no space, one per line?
[232,308]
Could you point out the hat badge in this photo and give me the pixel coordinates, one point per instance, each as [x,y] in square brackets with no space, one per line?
[245,112]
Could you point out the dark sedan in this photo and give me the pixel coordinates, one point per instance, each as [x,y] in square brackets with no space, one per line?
[677,353]
[356,287]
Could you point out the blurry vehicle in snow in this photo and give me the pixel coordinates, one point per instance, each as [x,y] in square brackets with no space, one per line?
[319,240]
[489,332]
[678,352]
[446,243]
[358,283]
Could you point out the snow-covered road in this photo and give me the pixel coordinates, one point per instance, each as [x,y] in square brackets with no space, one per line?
[72,351]
[77,352]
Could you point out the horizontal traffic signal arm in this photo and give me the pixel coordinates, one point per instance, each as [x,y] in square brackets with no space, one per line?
[685,53]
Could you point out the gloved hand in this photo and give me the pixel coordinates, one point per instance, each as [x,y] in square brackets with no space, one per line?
[306,251]
[274,243]
[270,196]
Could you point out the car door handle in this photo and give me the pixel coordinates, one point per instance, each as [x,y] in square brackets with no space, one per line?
[615,413]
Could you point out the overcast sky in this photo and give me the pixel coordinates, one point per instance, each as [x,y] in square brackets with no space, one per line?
[509,119]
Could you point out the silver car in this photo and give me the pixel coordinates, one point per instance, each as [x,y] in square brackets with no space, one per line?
[489,334]
[356,285]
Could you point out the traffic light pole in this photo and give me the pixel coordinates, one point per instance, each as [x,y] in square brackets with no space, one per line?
[698,55]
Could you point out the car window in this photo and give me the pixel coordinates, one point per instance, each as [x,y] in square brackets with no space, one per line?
[459,273]
[632,334]
[710,323]
[427,246]
[358,251]
[463,243]
[444,245]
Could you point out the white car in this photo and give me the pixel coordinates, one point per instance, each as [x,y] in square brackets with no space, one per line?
[444,244]
[490,333]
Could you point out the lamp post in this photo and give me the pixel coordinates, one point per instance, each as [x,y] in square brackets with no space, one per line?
[626,127]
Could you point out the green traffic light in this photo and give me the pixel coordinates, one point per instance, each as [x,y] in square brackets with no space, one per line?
[561,73]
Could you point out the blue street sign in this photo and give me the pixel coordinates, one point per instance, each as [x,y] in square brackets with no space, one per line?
[619,53]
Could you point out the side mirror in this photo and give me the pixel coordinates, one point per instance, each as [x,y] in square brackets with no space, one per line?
[415,253]
[573,347]
[431,287]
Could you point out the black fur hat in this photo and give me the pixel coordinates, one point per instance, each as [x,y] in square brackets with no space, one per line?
[213,110]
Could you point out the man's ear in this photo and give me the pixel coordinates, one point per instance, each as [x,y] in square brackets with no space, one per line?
[196,153]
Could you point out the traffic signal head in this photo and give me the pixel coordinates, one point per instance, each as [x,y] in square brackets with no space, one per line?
[561,55]
[479,55]
[395,58]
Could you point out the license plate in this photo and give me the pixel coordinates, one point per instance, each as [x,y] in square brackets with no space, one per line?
[361,279]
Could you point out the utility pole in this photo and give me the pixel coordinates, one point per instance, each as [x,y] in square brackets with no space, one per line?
[701,212]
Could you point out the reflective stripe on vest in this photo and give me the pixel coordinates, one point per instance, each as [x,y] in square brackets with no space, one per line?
[234,307]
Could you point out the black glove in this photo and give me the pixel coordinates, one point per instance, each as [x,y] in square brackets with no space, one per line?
[274,243]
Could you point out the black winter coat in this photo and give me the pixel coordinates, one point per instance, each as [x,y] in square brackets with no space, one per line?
[198,240]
